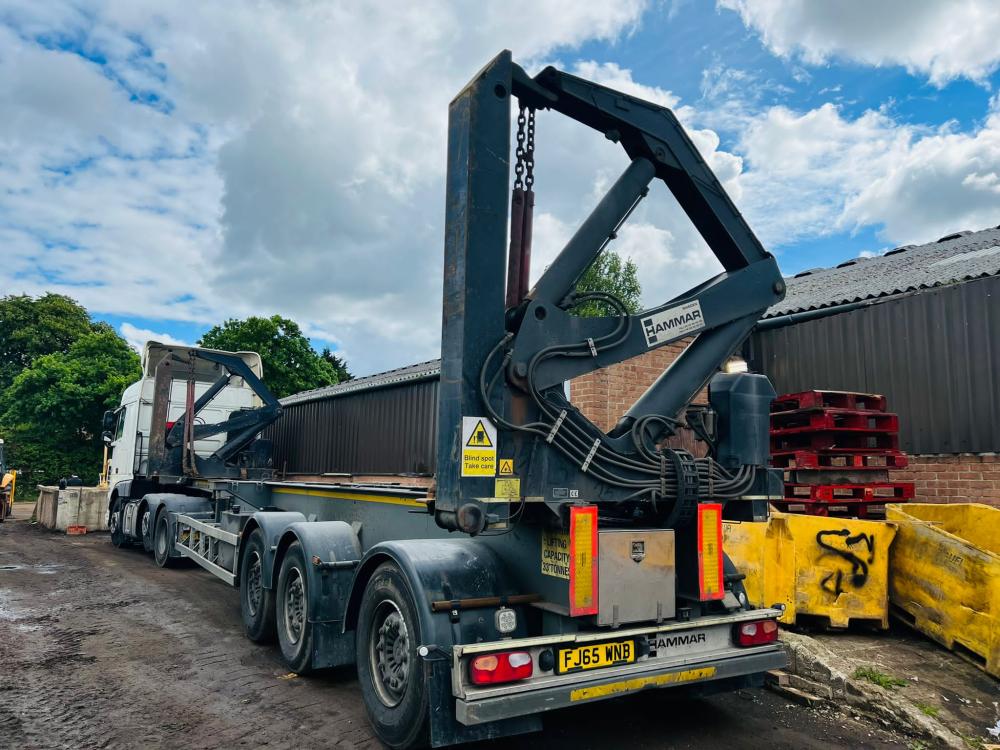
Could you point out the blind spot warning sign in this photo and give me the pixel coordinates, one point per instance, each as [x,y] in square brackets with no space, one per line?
[479,447]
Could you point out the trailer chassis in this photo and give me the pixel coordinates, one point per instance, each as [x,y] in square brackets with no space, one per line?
[455,586]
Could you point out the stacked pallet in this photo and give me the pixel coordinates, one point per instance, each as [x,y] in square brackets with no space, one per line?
[836,449]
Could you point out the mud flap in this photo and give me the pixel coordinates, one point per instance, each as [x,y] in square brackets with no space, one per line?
[331,646]
[445,728]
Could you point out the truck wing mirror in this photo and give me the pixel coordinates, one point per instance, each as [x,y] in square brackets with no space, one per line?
[107,437]
[108,422]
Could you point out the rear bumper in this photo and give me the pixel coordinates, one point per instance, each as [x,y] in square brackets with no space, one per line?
[612,683]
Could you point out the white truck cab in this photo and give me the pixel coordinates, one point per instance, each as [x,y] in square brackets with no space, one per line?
[129,444]
[219,405]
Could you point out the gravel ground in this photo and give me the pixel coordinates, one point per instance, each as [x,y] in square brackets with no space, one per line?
[99,648]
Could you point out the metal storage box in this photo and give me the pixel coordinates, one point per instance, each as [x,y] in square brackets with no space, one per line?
[637,576]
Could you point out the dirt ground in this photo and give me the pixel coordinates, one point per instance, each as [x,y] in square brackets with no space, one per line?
[99,648]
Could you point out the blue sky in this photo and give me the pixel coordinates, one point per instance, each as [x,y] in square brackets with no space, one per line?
[171,165]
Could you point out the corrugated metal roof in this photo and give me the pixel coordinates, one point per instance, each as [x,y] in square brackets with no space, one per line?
[954,258]
[419,371]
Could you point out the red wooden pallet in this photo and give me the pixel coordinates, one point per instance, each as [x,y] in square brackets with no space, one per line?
[829,399]
[860,441]
[834,459]
[837,493]
[858,508]
[785,422]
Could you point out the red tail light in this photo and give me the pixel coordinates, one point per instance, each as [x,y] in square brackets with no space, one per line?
[506,666]
[757,633]
[170,425]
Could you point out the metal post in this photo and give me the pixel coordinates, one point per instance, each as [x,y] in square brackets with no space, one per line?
[477,197]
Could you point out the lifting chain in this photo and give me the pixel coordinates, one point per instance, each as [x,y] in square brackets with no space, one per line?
[524,166]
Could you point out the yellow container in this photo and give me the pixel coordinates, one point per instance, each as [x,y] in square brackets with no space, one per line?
[834,568]
[945,576]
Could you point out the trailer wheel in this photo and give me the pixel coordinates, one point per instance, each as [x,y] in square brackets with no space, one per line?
[116,524]
[295,634]
[256,602]
[162,542]
[389,668]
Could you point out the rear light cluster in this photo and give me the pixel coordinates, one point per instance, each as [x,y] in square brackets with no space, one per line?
[506,666]
[757,633]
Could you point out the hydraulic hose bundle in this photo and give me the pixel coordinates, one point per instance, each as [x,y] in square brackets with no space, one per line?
[652,473]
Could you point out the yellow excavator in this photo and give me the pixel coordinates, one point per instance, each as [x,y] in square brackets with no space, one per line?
[8,480]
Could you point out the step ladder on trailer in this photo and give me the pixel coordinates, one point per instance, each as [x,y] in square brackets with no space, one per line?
[199,538]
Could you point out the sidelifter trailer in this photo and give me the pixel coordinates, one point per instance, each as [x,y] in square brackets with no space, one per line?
[550,564]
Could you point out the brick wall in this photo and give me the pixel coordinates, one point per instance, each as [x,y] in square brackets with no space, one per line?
[604,395]
[953,478]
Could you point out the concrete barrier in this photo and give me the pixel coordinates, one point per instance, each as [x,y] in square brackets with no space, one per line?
[945,576]
[45,508]
[75,506]
[833,568]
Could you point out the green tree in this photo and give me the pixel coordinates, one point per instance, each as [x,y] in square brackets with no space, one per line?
[339,365]
[612,275]
[30,328]
[51,414]
[291,364]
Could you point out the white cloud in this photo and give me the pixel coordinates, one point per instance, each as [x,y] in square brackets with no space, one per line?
[815,173]
[941,40]
[137,337]
[235,159]
[259,158]
[614,76]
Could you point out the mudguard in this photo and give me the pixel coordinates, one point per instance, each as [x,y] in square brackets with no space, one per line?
[448,570]
[332,551]
[442,570]
[122,488]
[273,524]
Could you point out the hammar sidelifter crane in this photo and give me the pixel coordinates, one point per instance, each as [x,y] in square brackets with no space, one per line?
[552,564]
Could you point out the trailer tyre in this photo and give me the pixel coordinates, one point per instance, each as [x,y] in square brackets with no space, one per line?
[295,633]
[162,542]
[389,669]
[256,602]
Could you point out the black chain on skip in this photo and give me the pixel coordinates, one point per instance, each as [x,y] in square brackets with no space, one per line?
[524,165]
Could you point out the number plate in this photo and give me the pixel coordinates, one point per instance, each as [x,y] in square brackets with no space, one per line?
[592,657]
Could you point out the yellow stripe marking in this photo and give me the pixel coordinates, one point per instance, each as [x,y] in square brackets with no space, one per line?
[388,500]
[627,686]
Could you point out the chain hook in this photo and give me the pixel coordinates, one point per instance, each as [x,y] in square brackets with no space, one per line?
[524,164]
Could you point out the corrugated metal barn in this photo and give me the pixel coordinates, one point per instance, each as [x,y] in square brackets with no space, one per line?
[920,324]
[380,424]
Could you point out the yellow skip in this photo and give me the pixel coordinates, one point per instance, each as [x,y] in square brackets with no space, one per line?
[638,683]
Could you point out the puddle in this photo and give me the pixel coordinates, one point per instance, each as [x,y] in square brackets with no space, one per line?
[44,568]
